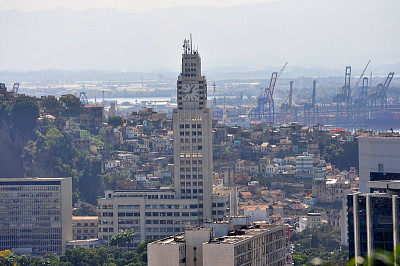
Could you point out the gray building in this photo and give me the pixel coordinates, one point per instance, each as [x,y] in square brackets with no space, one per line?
[35,215]
[373,219]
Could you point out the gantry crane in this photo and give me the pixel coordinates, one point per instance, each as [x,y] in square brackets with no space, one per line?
[84,99]
[265,98]
[343,100]
[287,112]
[15,87]
[312,107]
[381,93]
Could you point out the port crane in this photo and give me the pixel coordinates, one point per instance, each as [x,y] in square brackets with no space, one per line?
[266,100]
[312,107]
[84,99]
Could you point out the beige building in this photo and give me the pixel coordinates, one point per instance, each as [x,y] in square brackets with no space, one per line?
[35,215]
[201,246]
[331,189]
[84,227]
[151,214]
[313,219]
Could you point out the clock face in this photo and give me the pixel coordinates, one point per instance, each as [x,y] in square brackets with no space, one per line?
[190,92]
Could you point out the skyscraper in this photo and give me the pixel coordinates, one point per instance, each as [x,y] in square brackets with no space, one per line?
[157,213]
[192,134]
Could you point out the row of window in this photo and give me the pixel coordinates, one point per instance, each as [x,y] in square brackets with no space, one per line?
[84,224]
[175,221]
[188,126]
[189,183]
[170,214]
[162,229]
[193,155]
[191,147]
[128,214]
[30,188]
[190,64]
[187,133]
[194,140]
[130,206]
[188,119]
[86,231]
[192,176]
[194,169]
[188,191]
[193,161]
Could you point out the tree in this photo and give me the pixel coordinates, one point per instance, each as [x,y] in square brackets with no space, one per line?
[72,103]
[51,104]
[23,114]
[123,239]
[241,178]
[115,121]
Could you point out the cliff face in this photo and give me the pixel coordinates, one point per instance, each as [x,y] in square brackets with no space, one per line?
[11,149]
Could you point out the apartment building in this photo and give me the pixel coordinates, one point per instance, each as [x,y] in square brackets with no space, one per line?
[84,227]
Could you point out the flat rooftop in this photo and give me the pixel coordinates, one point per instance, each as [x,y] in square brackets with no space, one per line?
[248,233]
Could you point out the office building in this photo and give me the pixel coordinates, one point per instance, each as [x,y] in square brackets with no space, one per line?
[373,219]
[155,214]
[35,215]
[378,154]
[265,245]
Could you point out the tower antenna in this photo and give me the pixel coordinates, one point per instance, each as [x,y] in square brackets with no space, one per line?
[191,43]
[215,99]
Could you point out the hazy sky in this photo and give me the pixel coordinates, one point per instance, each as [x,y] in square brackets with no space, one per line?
[237,35]
[134,6]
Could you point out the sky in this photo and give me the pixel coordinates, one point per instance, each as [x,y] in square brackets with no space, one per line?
[131,6]
[241,35]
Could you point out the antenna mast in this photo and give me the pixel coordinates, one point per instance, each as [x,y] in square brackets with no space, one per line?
[215,99]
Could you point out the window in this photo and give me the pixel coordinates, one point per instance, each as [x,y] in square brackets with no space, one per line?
[380,167]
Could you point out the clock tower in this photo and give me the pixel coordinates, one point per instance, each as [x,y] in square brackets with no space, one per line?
[193,165]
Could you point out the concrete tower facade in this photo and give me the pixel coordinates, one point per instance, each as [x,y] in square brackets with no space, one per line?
[192,134]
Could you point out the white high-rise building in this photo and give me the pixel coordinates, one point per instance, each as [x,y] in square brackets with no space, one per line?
[192,134]
[154,214]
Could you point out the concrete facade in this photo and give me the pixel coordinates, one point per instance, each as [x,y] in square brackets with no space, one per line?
[85,227]
[377,154]
[35,215]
